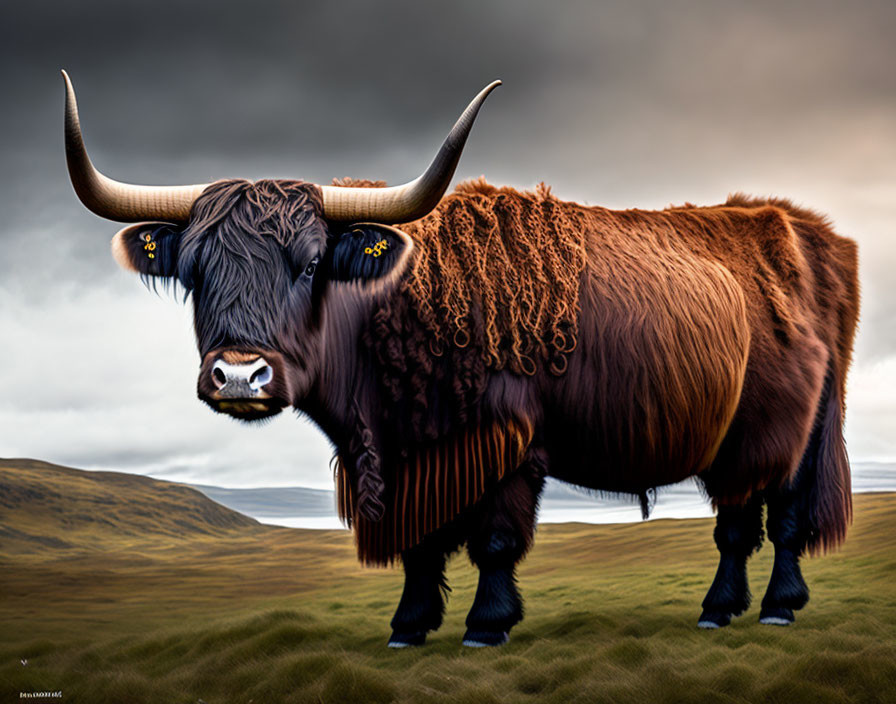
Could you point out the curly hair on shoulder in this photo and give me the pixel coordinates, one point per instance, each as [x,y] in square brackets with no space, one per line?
[499,269]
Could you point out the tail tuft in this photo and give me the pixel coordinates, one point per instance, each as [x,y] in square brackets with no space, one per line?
[825,466]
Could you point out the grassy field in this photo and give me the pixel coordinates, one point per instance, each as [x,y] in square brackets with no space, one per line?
[120,589]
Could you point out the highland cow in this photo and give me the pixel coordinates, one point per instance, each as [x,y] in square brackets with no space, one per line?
[456,351]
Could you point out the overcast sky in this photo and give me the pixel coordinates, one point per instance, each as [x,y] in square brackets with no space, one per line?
[622,104]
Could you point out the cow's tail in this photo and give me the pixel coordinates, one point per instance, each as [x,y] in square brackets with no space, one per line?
[824,472]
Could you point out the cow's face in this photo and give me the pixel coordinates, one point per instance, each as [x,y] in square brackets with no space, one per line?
[278,293]
[263,266]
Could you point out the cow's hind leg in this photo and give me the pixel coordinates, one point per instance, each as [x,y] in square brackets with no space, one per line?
[502,531]
[788,529]
[738,534]
[422,603]
[794,508]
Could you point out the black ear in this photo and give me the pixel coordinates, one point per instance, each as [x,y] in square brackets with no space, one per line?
[148,248]
[369,252]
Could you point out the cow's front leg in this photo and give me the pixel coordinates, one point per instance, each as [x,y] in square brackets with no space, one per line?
[422,604]
[503,527]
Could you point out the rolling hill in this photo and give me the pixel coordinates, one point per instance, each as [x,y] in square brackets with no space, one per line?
[46,505]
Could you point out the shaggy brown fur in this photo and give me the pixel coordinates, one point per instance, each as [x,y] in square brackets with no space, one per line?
[658,285]
[702,338]
[494,284]
[430,489]
[684,341]
[500,269]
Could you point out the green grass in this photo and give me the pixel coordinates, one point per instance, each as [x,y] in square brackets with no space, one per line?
[227,610]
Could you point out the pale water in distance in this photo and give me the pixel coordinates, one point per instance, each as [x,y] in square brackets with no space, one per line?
[298,507]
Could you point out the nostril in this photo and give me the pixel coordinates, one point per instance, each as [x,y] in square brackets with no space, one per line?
[241,380]
[260,377]
[218,377]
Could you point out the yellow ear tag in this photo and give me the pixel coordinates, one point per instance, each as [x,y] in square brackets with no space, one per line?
[377,249]
[150,246]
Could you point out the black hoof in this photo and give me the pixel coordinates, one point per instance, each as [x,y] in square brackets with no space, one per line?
[485,639]
[407,640]
[713,619]
[776,617]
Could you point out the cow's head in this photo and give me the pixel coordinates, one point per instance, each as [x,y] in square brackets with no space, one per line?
[263,261]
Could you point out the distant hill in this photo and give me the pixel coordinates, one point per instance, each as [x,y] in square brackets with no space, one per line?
[274,502]
[45,505]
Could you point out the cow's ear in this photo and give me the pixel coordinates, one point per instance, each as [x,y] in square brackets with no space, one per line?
[369,253]
[148,248]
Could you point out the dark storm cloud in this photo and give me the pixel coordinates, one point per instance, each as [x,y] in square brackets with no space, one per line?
[618,103]
[612,102]
[184,93]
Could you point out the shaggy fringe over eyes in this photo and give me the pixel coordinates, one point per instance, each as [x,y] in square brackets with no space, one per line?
[229,243]
[499,269]
[280,209]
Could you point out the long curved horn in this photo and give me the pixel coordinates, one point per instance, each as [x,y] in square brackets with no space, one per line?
[414,199]
[114,200]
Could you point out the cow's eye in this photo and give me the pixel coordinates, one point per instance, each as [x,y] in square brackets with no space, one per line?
[309,270]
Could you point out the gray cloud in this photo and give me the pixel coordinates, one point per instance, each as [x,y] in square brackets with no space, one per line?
[625,104]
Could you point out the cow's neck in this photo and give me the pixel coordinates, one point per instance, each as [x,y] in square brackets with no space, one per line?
[343,382]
